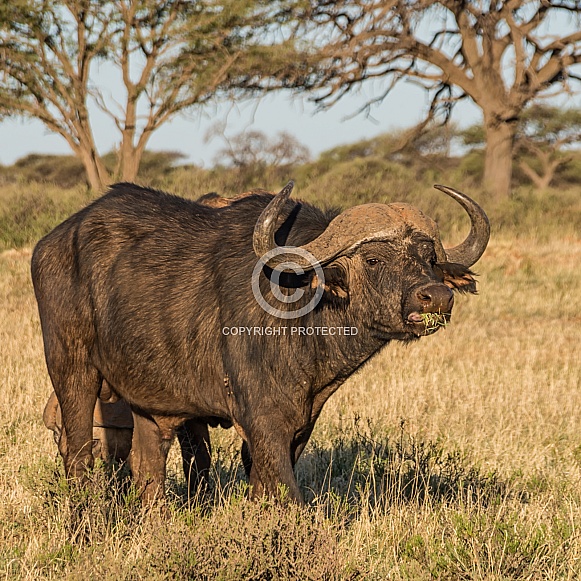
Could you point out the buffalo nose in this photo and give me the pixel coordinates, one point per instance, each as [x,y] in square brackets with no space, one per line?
[436,298]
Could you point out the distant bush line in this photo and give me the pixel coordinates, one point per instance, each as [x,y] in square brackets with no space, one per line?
[38,192]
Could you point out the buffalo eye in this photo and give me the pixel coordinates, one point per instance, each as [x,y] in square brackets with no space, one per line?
[373,261]
[429,253]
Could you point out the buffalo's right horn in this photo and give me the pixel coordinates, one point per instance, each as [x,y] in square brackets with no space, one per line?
[469,251]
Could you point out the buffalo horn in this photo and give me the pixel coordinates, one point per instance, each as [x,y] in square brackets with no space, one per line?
[469,251]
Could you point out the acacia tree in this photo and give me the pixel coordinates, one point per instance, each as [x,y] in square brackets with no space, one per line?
[255,149]
[171,55]
[547,133]
[500,53]
[543,141]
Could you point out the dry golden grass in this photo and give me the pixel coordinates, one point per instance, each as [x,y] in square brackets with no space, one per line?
[457,457]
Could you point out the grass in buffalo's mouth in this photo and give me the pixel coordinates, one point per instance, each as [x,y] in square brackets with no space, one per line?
[434,321]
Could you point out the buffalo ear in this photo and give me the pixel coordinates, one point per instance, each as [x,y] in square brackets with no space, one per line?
[457,276]
[336,285]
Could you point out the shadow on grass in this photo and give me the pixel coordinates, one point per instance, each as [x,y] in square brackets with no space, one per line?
[359,470]
[401,479]
[221,535]
[376,472]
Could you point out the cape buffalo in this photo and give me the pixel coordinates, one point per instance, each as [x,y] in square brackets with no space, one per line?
[251,315]
[113,420]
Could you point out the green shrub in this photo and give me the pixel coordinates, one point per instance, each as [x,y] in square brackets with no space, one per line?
[29,211]
[62,170]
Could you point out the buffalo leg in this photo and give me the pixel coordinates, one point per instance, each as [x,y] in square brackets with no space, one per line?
[298,446]
[194,440]
[76,384]
[300,441]
[147,459]
[246,458]
[272,464]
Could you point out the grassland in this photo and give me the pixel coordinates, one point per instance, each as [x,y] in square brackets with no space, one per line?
[457,457]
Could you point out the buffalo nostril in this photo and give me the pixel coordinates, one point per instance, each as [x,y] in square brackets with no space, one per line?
[438,297]
[426,295]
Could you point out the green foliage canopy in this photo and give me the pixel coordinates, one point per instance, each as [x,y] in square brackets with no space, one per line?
[172,55]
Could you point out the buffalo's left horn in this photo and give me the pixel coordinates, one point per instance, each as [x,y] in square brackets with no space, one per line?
[338,236]
[263,237]
[469,251]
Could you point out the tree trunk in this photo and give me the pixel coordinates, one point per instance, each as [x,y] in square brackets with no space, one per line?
[97,174]
[543,181]
[550,171]
[130,155]
[129,162]
[498,160]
